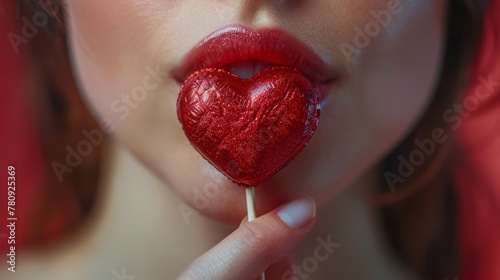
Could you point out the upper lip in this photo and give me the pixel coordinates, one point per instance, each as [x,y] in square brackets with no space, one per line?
[238,43]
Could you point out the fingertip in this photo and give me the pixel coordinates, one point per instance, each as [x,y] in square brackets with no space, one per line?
[298,213]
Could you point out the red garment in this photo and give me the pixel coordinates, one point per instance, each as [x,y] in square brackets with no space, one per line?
[19,141]
[478,170]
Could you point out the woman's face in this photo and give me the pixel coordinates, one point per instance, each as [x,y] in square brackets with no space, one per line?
[385,55]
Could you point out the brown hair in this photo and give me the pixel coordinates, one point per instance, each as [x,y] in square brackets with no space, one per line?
[62,116]
[419,216]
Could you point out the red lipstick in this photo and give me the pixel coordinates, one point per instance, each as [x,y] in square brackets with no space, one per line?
[236,45]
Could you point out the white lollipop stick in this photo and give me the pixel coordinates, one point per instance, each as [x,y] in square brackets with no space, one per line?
[250,195]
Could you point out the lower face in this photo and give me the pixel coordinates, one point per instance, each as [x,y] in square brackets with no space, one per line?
[386,53]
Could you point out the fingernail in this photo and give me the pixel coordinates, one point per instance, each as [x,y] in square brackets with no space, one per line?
[298,213]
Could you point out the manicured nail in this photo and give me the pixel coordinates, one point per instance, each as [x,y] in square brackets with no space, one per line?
[298,213]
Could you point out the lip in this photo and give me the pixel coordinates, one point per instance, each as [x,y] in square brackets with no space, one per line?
[237,43]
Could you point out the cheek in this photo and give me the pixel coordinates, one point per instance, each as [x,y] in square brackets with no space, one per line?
[97,33]
[117,58]
[114,44]
[108,32]
[398,70]
[394,75]
[117,49]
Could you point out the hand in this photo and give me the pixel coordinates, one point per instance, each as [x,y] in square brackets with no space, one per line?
[264,244]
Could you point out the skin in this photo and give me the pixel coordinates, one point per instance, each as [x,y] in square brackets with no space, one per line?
[381,92]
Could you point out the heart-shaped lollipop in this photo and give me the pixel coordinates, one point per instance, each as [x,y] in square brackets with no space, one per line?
[248,129]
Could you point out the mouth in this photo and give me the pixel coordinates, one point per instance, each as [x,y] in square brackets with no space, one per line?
[245,52]
[247,69]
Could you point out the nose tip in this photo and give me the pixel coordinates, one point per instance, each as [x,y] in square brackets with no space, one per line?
[262,12]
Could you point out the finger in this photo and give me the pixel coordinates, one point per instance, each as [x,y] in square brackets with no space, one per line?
[255,245]
[279,269]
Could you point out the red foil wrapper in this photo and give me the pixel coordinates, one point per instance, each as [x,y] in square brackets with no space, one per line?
[248,129]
